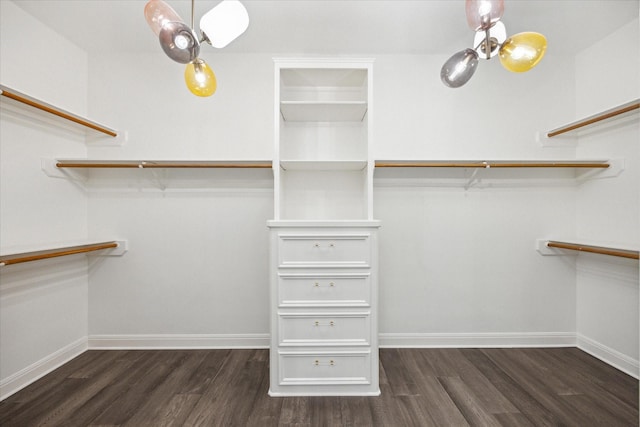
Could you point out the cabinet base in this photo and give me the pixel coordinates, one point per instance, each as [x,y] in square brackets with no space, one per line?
[321,393]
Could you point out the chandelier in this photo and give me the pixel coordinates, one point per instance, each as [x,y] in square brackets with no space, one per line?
[218,27]
[518,53]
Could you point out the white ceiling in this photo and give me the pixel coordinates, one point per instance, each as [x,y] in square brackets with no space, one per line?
[338,26]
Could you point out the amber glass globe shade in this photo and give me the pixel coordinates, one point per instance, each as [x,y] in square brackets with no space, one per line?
[523,51]
[200,78]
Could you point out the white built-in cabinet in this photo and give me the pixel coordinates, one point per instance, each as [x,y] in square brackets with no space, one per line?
[323,274]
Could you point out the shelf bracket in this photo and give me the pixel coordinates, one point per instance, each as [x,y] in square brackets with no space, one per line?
[543,249]
[159,178]
[616,167]
[472,179]
[52,171]
[565,141]
[98,140]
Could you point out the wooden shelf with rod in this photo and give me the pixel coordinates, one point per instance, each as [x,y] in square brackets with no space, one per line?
[632,107]
[488,164]
[17,257]
[164,164]
[548,247]
[17,98]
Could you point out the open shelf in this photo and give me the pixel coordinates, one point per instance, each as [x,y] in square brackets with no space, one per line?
[631,107]
[159,164]
[602,164]
[21,256]
[548,247]
[17,98]
[323,111]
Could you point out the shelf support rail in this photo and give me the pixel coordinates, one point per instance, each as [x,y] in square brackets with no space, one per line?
[490,164]
[43,106]
[63,251]
[624,253]
[605,115]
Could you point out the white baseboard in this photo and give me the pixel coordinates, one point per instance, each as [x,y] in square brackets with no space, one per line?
[35,371]
[31,373]
[480,339]
[178,341]
[608,355]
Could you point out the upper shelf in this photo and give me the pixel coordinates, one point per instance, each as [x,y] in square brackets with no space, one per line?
[18,98]
[603,164]
[323,165]
[323,111]
[323,77]
[613,113]
[164,164]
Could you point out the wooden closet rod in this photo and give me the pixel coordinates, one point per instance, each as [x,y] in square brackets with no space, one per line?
[53,253]
[16,96]
[161,164]
[489,164]
[634,105]
[595,249]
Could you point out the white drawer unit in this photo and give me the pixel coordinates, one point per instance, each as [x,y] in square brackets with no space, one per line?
[324,329]
[324,290]
[324,309]
[323,250]
[325,369]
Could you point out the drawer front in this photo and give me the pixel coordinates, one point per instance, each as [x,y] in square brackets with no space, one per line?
[318,290]
[313,329]
[324,368]
[324,250]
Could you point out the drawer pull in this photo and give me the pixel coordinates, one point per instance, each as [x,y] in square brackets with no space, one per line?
[317,323]
[330,285]
[317,245]
[318,363]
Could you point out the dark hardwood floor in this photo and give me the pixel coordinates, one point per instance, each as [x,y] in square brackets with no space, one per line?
[420,387]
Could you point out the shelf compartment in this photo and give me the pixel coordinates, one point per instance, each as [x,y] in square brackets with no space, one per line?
[12,95]
[164,164]
[326,165]
[323,194]
[488,164]
[323,111]
[546,247]
[117,247]
[350,78]
[631,107]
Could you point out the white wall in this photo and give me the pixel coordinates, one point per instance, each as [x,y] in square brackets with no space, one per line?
[607,316]
[458,267]
[43,307]
[197,263]
[198,258]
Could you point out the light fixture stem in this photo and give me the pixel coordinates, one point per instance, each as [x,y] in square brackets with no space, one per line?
[193,2]
[487,43]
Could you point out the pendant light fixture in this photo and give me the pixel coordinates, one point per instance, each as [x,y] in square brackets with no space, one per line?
[219,27]
[518,53]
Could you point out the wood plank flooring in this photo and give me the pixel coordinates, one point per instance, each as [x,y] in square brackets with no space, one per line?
[420,387]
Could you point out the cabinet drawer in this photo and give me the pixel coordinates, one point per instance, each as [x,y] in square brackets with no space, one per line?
[333,329]
[324,290]
[324,250]
[324,368]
